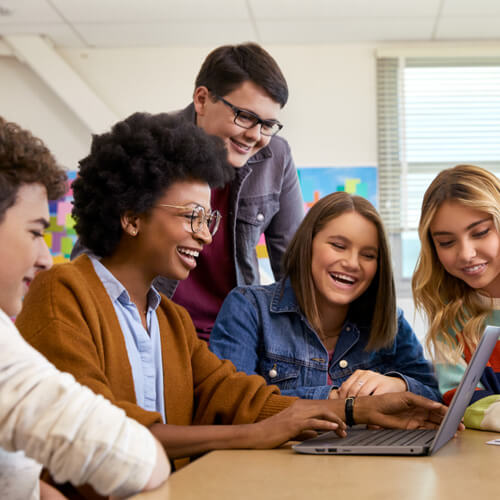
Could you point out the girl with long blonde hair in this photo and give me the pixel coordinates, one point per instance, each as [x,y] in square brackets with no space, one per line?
[457,281]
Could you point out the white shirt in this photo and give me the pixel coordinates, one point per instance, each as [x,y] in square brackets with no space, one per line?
[77,435]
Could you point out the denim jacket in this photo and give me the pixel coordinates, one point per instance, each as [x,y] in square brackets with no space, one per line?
[265,198]
[262,330]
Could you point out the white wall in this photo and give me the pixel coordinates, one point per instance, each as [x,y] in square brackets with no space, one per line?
[330,118]
[26,100]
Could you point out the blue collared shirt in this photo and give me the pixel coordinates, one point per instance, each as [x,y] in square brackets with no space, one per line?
[143,347]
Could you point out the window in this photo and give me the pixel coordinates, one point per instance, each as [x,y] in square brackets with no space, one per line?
[433,113]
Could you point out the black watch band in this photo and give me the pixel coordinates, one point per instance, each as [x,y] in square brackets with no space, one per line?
[349,407]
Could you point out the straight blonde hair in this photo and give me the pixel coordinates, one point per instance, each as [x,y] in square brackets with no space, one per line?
[448,302]
[378,303]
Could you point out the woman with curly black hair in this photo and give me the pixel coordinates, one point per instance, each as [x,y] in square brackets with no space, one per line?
[142,206]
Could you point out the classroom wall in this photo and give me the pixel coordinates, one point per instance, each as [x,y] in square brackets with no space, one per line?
[329,120]
[25,99]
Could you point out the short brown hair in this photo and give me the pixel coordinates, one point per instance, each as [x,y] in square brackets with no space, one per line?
[377,305]
[228,66]
[24,159]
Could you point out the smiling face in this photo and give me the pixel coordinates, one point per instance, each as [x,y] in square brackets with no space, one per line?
[165,244]
[216,118]
[344,260]
[23,251]
[468,245]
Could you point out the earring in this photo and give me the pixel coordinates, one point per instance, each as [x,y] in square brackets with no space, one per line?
[133,232]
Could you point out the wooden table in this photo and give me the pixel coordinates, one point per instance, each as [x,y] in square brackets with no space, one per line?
[465,468]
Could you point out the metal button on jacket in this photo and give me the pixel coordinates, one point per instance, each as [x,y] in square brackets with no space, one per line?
[343,363]
[260,217]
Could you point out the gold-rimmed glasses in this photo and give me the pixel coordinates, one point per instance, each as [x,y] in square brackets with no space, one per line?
[198,217]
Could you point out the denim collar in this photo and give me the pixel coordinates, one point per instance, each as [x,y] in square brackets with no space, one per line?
[285,301]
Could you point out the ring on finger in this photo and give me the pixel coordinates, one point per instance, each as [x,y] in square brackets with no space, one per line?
[361,382]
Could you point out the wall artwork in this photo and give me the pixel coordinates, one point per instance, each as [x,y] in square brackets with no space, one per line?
[60,235]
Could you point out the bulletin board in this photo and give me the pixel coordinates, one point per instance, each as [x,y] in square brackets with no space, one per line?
[60,235]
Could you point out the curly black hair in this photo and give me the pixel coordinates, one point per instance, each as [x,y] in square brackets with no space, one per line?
[129,169]
[24,159]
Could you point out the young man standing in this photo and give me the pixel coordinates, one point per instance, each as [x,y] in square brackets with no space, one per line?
[239,93]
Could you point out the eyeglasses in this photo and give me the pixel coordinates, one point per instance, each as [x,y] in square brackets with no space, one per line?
[247,119]
[198,217]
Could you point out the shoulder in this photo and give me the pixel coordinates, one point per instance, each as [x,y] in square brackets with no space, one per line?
[404,327]
[277,152]
[173,310]
[279,145]
[401,318]
[62,292]
[255,294]
[74,274]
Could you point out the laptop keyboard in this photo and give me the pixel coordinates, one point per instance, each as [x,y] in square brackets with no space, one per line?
[389,437]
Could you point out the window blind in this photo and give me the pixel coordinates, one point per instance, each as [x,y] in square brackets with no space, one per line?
[433,113]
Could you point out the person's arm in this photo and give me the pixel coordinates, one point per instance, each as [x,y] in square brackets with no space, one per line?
[398,410]
[410,363]
[409,370]
[304,417]
[188,441]
[235,334]
[77,435]
[290,214]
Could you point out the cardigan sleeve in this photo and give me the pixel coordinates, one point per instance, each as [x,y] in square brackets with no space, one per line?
[61,320]
[223,395]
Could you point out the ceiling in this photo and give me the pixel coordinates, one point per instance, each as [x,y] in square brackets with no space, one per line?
[132,23]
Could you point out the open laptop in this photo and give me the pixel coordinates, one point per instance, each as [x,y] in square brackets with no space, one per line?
[409,442]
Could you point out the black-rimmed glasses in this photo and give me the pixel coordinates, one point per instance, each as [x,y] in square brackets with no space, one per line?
[198,217]
[248,119]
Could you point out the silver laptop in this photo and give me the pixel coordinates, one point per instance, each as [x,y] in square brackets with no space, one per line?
[409,442]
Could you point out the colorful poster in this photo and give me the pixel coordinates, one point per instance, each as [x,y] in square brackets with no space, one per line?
[60,235]
[317,182]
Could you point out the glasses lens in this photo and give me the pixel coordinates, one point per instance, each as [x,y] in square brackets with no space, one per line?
[245,120]
[213,222]
[197,219]
[270,128]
